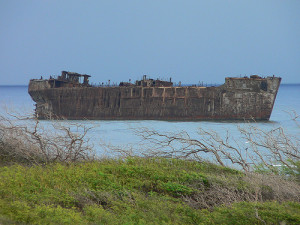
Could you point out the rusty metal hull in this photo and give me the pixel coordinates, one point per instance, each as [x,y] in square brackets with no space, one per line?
[236,99]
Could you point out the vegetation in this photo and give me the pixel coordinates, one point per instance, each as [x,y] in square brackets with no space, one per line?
[142,191]
[25,140]
[253,149]
[54,178]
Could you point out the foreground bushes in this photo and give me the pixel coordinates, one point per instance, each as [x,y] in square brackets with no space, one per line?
[153,211]
[144,191]
[26,141]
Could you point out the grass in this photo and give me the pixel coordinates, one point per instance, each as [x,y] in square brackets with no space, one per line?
[137,191]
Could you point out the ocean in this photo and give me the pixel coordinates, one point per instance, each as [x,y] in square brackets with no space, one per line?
[123,133]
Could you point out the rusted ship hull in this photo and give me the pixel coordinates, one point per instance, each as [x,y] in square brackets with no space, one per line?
[237,98]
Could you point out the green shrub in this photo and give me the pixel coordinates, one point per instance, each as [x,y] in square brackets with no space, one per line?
[255,213]
[136,191]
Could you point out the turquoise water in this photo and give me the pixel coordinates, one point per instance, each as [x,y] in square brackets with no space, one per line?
[122,133]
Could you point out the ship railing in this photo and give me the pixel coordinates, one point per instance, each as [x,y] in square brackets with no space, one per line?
[200,84]
[53,77]
[45,77]
[102,84]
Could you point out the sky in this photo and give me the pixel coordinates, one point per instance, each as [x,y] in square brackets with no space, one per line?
[187,40]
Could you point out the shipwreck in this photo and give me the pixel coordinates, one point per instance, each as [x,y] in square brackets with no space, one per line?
[71,96]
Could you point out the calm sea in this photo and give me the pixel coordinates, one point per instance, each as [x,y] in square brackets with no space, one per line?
[16,98]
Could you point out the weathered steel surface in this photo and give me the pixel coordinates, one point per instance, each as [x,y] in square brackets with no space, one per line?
[237,98]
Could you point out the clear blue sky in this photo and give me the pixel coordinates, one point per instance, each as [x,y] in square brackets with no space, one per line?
[191,41]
